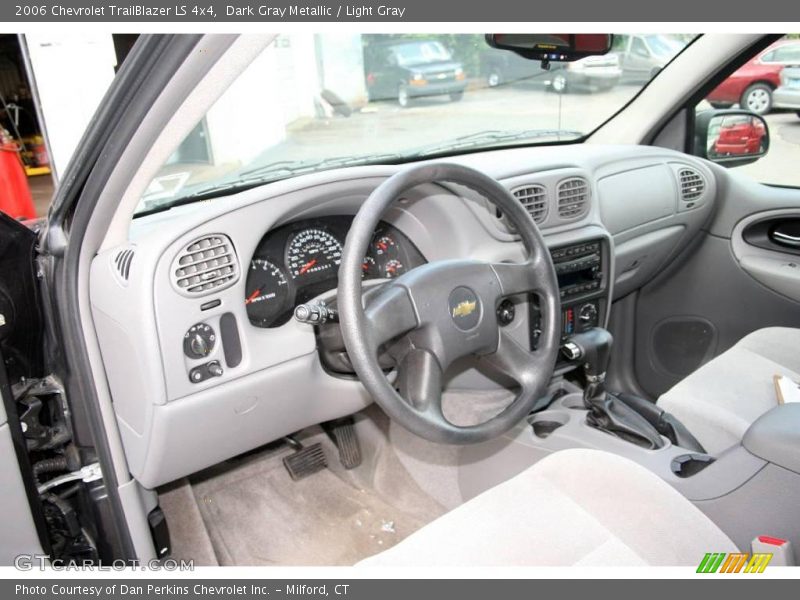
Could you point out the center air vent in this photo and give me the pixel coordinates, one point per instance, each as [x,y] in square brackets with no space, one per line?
[692,185]
[573,198]
[207,264]
[534,199]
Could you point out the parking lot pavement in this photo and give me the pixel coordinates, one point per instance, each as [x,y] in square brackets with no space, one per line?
[781,165]
[384,127]
[516,107]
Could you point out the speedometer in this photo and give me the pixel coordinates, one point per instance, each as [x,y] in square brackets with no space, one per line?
[266,292]
[313,251]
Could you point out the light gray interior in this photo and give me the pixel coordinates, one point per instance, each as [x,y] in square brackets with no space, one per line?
[19,532]
[173,428]
[773,437]
[248,511]
[669,263]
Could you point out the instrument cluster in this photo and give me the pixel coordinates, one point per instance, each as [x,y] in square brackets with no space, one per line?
[299,261]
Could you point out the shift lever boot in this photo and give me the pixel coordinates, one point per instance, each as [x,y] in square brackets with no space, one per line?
[607,413]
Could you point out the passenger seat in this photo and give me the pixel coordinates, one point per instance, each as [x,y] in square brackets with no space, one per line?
[720,400]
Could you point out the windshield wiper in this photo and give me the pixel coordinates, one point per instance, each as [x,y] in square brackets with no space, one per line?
[494,136]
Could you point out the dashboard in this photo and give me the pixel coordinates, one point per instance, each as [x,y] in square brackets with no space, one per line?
[299,261]
[612,216]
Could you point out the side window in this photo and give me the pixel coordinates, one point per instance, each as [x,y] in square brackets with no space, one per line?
[639,49]
[789,54]
[620,43]
[772,90]
[781,54]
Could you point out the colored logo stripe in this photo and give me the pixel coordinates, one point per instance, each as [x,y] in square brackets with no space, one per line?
[758,563]
[734,563]
[721,562]
[711,562]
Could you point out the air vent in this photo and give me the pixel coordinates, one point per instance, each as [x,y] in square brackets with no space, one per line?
[573,198]
[122,263]
[692,185]
[207,264]
[534,198]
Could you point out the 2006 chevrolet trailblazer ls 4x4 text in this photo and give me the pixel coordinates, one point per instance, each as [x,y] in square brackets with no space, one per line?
[276,318]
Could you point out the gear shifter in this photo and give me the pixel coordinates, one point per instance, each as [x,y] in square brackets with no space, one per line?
[607,412]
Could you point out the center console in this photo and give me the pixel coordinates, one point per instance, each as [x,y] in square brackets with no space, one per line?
[583,282]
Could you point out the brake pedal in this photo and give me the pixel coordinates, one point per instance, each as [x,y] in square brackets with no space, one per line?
[343,433]
[305,461]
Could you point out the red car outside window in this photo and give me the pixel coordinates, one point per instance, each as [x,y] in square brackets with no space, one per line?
[752,85]
[743,136]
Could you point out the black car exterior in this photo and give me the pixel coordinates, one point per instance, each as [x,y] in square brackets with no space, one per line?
[411,69]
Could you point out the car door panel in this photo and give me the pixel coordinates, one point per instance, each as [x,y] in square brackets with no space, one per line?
[776,232]
[723,288]
[767,246]
[20,535]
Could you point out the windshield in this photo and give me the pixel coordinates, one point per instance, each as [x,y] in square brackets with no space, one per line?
[663,46]
[415,53]
[311,102]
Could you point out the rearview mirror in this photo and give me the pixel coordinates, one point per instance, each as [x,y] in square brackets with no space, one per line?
[556,47]
[731,137]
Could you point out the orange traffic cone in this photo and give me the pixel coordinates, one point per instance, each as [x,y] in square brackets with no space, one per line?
[15,194]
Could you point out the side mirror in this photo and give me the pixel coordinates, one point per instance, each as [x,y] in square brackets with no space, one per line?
[731,138]
[556,47]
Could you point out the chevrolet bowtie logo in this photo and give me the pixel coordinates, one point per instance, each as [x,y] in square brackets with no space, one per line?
[465,308]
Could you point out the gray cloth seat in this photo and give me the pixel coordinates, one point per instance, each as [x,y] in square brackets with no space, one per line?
[721,399]
[574,507]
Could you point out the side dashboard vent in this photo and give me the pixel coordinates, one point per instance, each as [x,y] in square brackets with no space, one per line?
[692,185]
[207,264]
[533,198]
[122,263]
[573,198]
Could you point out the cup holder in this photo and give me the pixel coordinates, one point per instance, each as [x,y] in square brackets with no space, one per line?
[573,401]
[545,423]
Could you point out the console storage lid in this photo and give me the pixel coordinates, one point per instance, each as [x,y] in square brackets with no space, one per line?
[775,436]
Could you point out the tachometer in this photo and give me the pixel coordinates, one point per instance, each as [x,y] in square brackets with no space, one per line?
[266,292]
[313,251]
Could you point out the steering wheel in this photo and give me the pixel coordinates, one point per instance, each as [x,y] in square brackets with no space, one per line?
[445,310]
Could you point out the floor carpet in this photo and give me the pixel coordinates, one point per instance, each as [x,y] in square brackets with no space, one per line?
[252,513]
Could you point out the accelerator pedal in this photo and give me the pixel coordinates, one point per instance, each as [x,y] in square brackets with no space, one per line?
[343,433]
[305,461]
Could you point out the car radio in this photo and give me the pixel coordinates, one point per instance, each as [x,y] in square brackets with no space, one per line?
[579,269]
[581,273]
